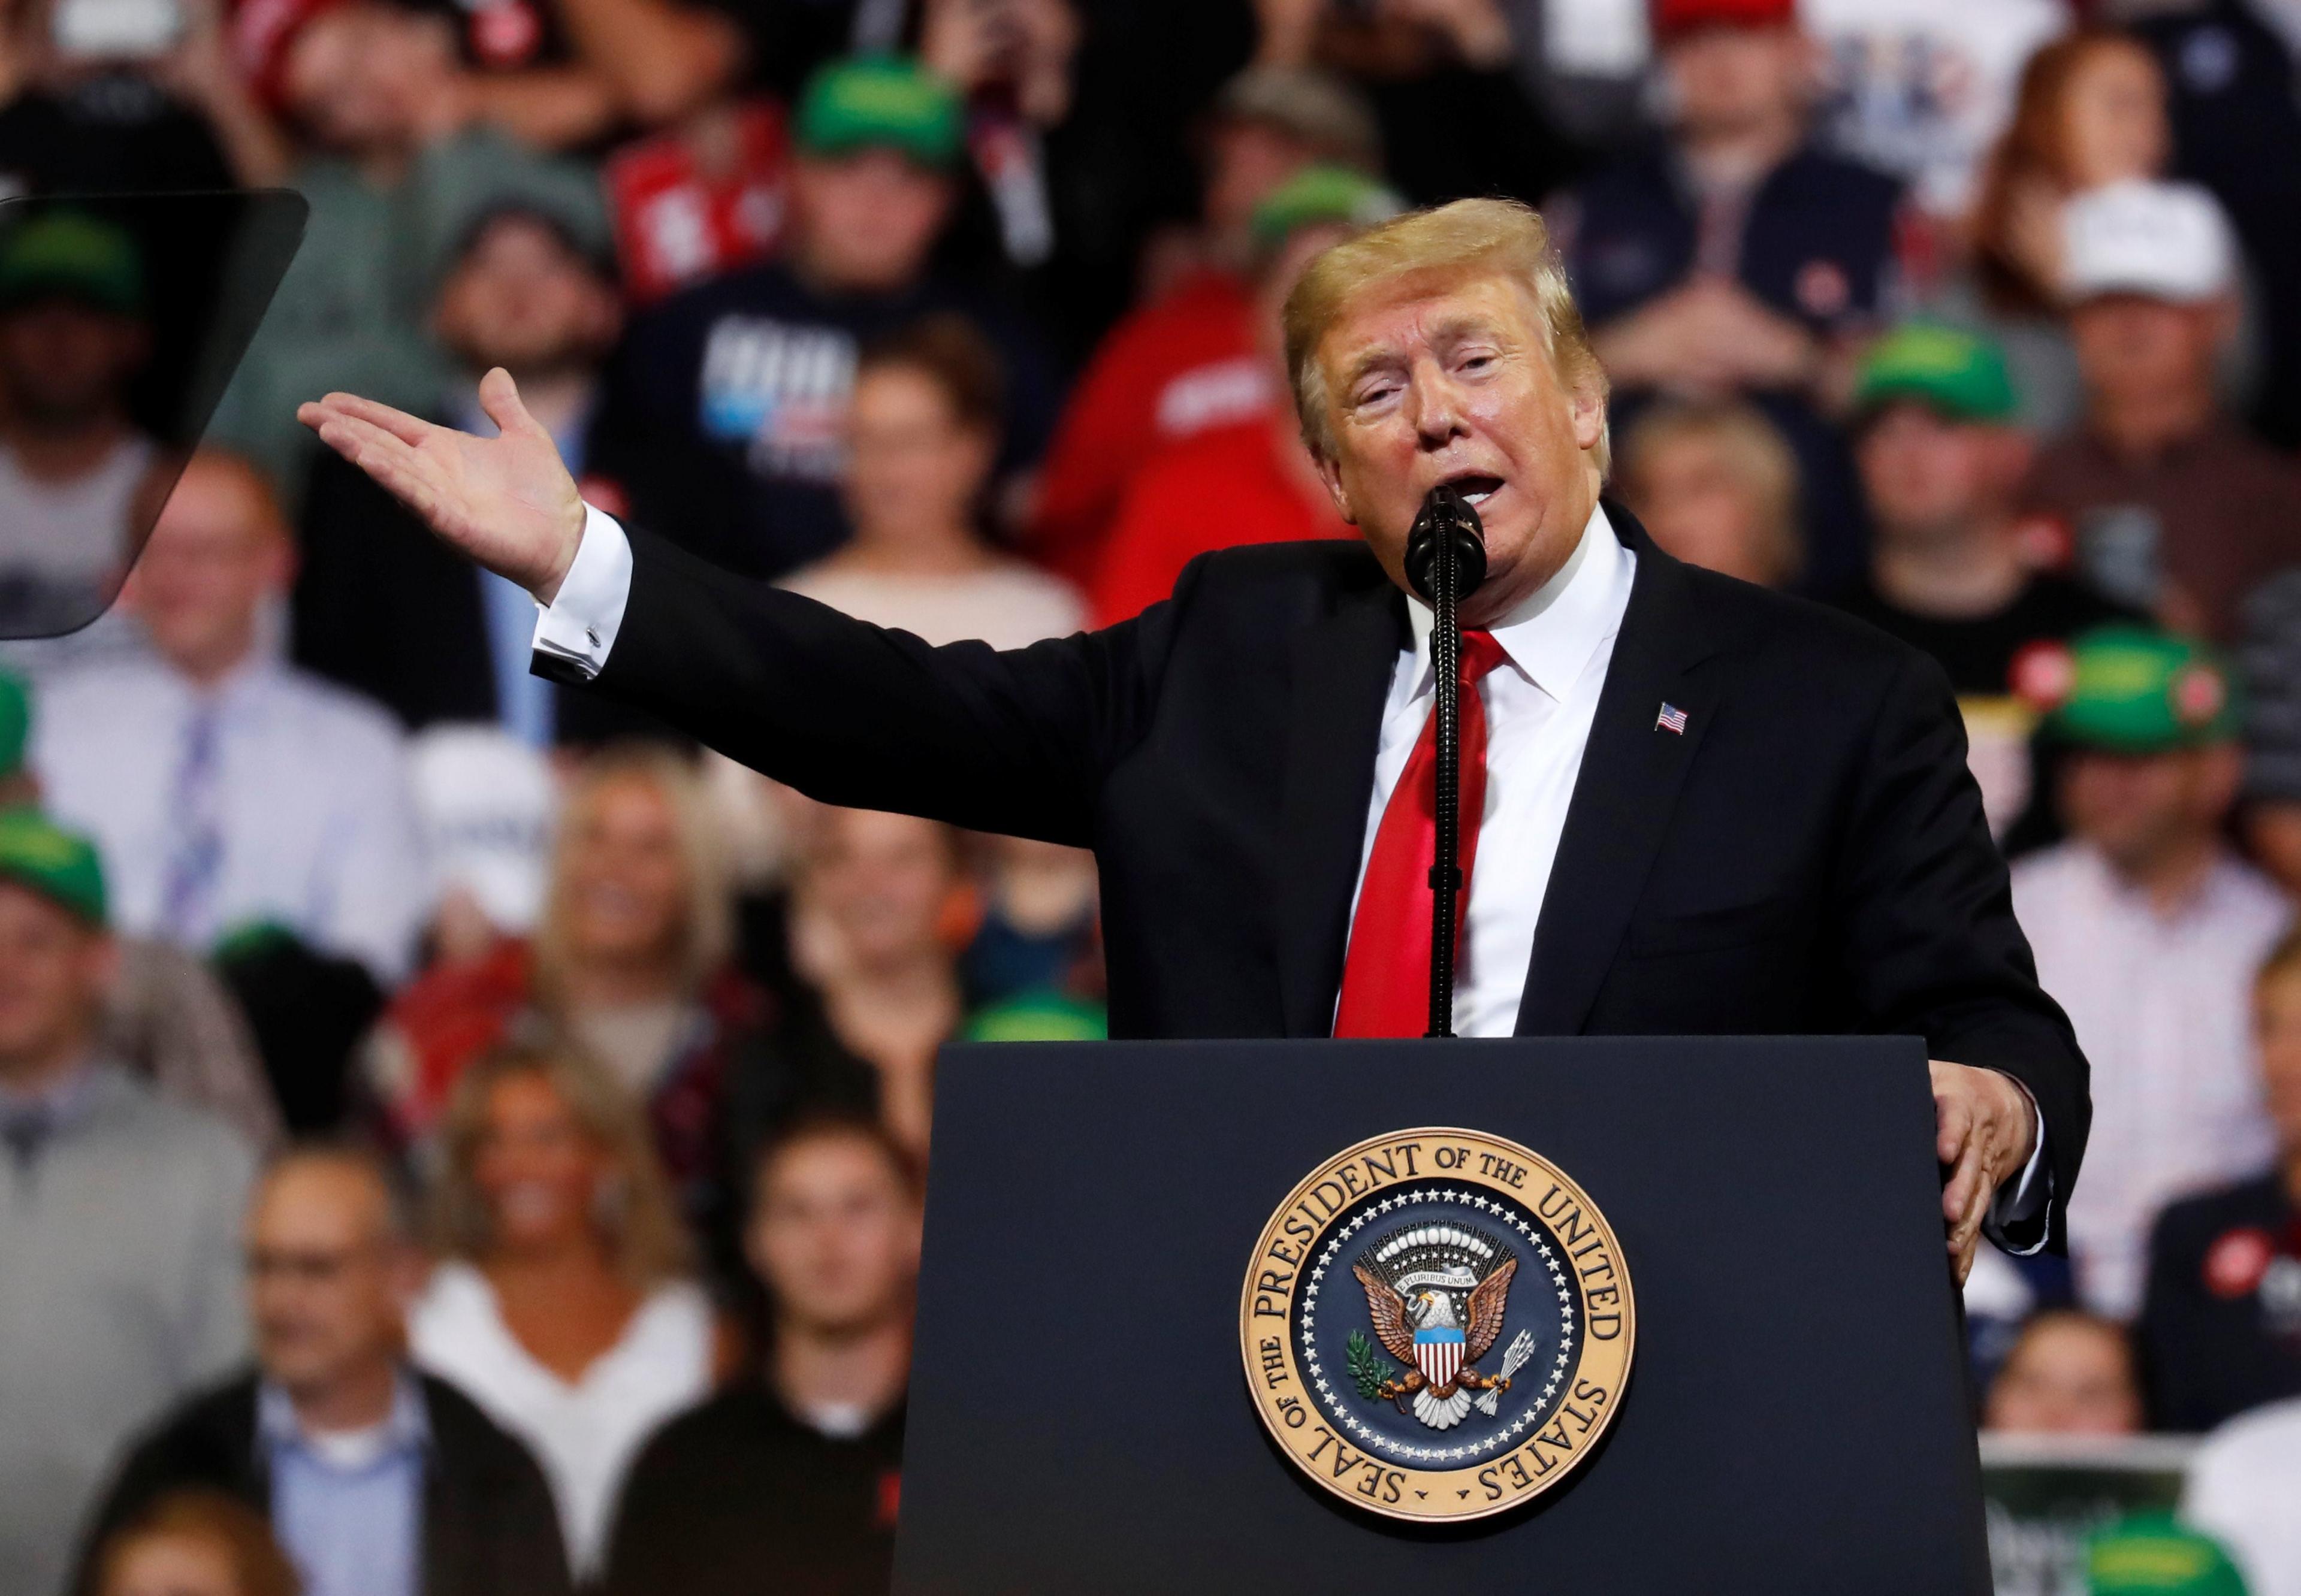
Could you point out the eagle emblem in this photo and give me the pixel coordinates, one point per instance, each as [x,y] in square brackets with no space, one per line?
[1437,1324]
[1438,1295]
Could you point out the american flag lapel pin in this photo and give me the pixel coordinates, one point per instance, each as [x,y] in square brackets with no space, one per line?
[1672,719]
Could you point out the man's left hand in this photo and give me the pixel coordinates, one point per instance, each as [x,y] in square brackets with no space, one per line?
[1984,1131]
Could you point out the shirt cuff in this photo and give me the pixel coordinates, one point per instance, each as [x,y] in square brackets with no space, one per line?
[2020,1203]
[578,628]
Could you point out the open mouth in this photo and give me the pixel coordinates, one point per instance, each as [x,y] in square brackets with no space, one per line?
[1474,489]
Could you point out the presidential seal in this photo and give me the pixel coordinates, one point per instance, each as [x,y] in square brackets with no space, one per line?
[1437,1325]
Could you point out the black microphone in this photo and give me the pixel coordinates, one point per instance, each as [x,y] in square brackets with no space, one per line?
[1448,523]
[1445,560]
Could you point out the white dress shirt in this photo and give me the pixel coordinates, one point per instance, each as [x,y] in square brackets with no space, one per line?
[313,804]
[1540,705]
[2162,1005]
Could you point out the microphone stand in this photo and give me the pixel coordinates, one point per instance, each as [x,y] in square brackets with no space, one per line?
[1446,562]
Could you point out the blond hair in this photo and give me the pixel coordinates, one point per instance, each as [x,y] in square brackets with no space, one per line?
[635,1206]
[1751,448]
[1432,249]
[707,933]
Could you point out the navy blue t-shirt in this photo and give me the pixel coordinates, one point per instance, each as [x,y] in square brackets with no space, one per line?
[736,391]
[1816,242]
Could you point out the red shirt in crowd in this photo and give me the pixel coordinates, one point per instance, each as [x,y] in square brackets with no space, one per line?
[1235,485]
[1172,370]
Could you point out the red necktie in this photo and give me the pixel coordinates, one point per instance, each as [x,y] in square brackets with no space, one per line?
[1386,975]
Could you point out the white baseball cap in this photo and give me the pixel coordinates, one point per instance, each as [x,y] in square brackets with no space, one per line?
[486,801]
[2166,240]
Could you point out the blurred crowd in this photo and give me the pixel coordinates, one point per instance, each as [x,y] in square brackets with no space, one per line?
[460,1136]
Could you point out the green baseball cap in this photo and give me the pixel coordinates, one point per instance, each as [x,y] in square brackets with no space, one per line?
[2135,690]
[15,723]
[2150,1555]
[880,102]
[60,865]
[1961,374]
[76,255]
[1321,196]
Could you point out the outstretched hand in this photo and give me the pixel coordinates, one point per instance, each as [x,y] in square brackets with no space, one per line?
[507,502]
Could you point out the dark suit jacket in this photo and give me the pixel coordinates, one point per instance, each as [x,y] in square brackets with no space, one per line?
[489,1525]
[1808,856]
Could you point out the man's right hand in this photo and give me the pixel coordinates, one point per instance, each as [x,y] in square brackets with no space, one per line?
[507,502]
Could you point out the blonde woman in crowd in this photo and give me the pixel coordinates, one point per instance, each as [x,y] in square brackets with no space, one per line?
[561,1303]
[194,1544]
[630,961]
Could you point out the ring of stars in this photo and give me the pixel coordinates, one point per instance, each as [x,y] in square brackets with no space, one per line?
[1508,1435]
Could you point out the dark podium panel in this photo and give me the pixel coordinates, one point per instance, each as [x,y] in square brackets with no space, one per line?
[1796,1418]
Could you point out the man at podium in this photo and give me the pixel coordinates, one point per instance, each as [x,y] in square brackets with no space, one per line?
[1703,809]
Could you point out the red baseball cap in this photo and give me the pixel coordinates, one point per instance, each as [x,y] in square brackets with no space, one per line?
[1673,19]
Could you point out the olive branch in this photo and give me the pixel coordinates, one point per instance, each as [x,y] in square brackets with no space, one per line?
[1368,1368]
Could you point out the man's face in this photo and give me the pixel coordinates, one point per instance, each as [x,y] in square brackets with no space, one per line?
[522,299]
[2277,1032]
[1930,477]
[1247,161]
[915,470]
[216,554]
[2069,1375]
[328,1281]
[2133,347]
[835,1236]
[2139,807]
[1455,384]
[53,969]
[66,365]
[864,223]
[359,76]
[1729,80]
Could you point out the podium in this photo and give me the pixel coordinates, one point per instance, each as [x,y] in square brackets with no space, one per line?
[1797,1418]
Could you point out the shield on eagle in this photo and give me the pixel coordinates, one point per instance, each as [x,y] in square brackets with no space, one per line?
[1438,1353]
[1437,1295]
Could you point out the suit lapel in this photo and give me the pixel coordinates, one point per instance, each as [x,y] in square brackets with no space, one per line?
[1632,771]
[1341,665]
